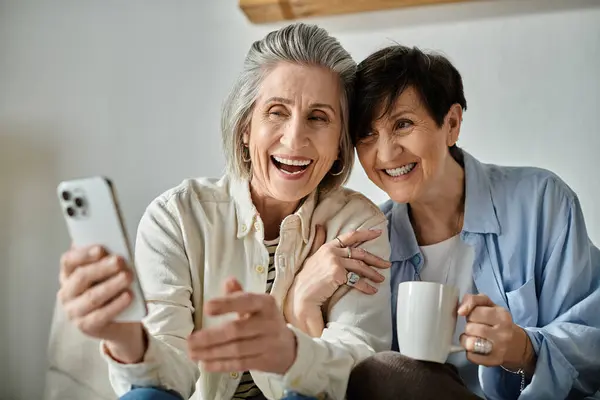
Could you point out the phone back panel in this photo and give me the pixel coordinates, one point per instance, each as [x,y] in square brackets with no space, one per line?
[92,215]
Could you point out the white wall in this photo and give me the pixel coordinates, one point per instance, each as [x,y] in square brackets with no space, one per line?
[132,90]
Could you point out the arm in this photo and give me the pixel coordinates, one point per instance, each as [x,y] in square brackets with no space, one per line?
[358,326]
[568,342]
[163,270]
[562,302]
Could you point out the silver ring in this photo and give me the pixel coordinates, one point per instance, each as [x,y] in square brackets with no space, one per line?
[349,252]
[352,278]
[482,346]
[340,240]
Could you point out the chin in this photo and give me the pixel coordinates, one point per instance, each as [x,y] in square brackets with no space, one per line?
[290,195]
[399,194]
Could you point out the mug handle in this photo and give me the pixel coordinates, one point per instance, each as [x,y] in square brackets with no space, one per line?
[456,349]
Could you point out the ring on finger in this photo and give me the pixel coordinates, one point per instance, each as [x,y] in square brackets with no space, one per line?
[352,278]
[349,252]
[482,346]
[340,241]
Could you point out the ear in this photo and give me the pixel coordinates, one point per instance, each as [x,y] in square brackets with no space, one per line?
[453,121]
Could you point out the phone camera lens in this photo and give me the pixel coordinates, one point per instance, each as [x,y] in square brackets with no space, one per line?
[66,195]
[70,211]
[79,202]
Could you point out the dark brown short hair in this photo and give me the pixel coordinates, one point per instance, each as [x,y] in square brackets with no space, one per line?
[384,75]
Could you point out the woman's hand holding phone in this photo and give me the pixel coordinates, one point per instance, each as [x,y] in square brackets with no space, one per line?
[94,290]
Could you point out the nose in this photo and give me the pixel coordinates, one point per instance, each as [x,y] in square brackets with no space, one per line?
[388,149]
[294,135]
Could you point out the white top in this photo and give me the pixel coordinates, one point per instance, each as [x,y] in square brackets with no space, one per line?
[193,237]
[451,262]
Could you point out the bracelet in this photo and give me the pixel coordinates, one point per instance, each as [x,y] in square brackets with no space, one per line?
[521,372]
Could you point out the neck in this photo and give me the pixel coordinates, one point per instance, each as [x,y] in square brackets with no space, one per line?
[439,214]
[271,211]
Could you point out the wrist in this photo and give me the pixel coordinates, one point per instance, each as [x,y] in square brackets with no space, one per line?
[129,347]
[521,357]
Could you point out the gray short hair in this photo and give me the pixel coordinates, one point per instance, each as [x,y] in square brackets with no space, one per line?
[296,43]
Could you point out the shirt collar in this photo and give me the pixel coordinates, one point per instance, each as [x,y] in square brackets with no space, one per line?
[480,213]
[247,214]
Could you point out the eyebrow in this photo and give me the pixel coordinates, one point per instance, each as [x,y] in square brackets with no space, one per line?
[401,113]
[290,102]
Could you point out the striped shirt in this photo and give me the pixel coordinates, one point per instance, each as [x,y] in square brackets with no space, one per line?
[247,389]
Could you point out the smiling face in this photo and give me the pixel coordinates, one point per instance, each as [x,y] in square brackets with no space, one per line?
[406,152]
[294,133]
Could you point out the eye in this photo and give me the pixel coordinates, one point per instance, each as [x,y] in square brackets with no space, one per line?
[277,112]
[318,116]
[403,124]
[367,137]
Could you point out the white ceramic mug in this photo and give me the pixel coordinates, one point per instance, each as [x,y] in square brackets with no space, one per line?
[426,320]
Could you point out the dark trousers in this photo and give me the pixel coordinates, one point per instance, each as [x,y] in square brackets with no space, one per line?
[392,376]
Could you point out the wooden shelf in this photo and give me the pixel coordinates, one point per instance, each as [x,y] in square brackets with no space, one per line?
[263,11]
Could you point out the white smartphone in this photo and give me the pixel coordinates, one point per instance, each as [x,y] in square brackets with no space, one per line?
[92,214]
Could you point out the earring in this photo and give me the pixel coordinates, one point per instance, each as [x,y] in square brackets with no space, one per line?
[340,171]
[246,154]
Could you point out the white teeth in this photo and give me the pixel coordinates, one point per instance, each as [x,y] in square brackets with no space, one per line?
[286,161]
[405,169]
[292,173]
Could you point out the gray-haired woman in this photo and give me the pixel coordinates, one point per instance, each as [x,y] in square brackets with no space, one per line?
[216,258]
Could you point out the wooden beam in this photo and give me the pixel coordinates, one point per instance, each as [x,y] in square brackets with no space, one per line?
[263,11]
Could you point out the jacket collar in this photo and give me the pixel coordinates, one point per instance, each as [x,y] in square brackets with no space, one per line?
[248,218]
[480,213]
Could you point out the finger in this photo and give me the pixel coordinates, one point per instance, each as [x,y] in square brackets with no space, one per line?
[364,287]
[484,315]
[468,342]
[231,331]
[243,348]
[97,296]
[355,238]
[320,237]
[240,302]
[86,276]
[359,253]
[362,269]
[470,301]
[76,257]
[479,330]
[100,318]
[232,285]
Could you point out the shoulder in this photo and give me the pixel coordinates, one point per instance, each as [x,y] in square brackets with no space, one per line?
[533,186]
[193,192]
[348,205]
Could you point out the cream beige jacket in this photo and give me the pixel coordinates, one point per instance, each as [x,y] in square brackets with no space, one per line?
[194,236]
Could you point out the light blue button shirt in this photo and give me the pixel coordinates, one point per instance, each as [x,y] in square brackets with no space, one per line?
[533,256]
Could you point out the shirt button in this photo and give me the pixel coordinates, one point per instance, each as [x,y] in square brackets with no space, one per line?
[260,269]
[234,375]
[257,227]
[244,228]
[417,259]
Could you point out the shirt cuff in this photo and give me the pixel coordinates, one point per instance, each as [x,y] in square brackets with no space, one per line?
[553,374]
[124,376]
[295,377]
